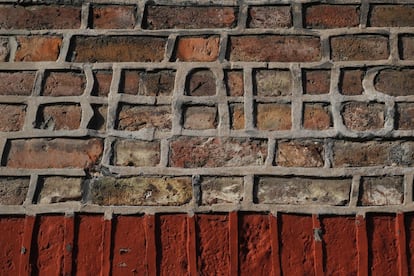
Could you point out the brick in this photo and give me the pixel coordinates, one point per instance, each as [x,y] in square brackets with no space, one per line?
[317,82]
[194,152]
[404,118]
[386,190]
[38,48]
[102,83]
[99,118]
[200,117]
[234,83]
[13,117]
[40,17]
[317,116]
[359,47]
[395,82]
[302,190]
[406,47]
[274,48]
[271,83]
[201,49]
[237,116]
[148,191]
[12,229]
[117,49]
[331,16]
[350,82]
[56,189]
[113,17]
[136,153]
[300,154]
[19,83]
[362,116]
[273,116]
[409,223]
[201,82]
[54,153]
[216,190]
[64,84]
[154,83]
[269,17]
[391,16]
[59,117]
[136,117]
[4,49]
[189,17]
[373,153]
[13,190]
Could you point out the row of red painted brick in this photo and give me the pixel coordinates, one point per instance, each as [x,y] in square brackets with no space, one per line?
[210,190]
[209,244]
[274,48]
[207,152]
[38,17]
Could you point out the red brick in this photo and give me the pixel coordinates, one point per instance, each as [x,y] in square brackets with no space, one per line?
[201,82]
[136,117]
[331,16]
[13,117]
[237,116]
[102,83]
[38,48]
[54,153]
[19,83]
[406,44]
[361,116]
[351,82]
[113,17]
[117,49]
[255,253]
[99,118]
[300,154]
[359,47]
[201,49]
[273,116]
[317,82]
[59,117]
[189,17]
[269,17]
[409,224]
[391,16]
[12,229]
[395,82]
[13,190]
[274,48]
[234,83]
[4,49]
[153,83]
[317,116]
[213,244]
[200,117]
[64,84]
[405,116]
[193,152]
[39,17]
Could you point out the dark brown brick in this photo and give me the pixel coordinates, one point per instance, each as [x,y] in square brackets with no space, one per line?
[201,49]
[13,117]
[59,117]
[359,47]
[38,48]
[406,47]
[362,116]
[351,81]
[317,81]
[331,16]
[4,49]
[273,116]
[316,116]
[16,83]
[136,117]
[147,83]
[201,82]
[99,118]
[395,82]
[64,84]
[300,154]
[269,17]
[102,83]
[113,17]
[404,118]
[391,16]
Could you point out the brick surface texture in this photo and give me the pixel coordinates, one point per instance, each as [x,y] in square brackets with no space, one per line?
[208,137]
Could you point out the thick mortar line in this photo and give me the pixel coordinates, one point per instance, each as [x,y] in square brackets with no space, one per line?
[248,99]
[31,192]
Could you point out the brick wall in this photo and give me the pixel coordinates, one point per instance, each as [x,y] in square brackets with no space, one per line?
[211,137]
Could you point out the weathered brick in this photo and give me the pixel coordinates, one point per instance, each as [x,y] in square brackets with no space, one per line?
[39,17]
[113,17]
[234,83]
[216,190]
[373,153]
[117,49]
[38,48]
[201,82]
[273,116]
[271,83]
[269,17]
[391,16]
[406,48]
[200,117]
[300,154]
[362,116]
[64,84]
[59,116]
[395,82]
[56,189]
[404,118]
[13,190]
[359,47]
[53,153]
[153,83]
[317,82]
[17,83]
[198,48]
[13,117]
[137,153]
[317,116]
[99,118]
[189,17]
[331,16]
[193,152]
[237,116]
[141,191]
[350,82]
[136,117]
[4,49]
[274,48]
[302,190]
[102,83]
[386,190]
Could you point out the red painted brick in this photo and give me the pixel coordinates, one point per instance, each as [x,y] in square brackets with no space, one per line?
[11,238]
[201,49]
[269,17]
[113,17]
[409,227]
[391,16]
[38,48]
[359,47]
[331,16]
[274,48]
[16,83]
